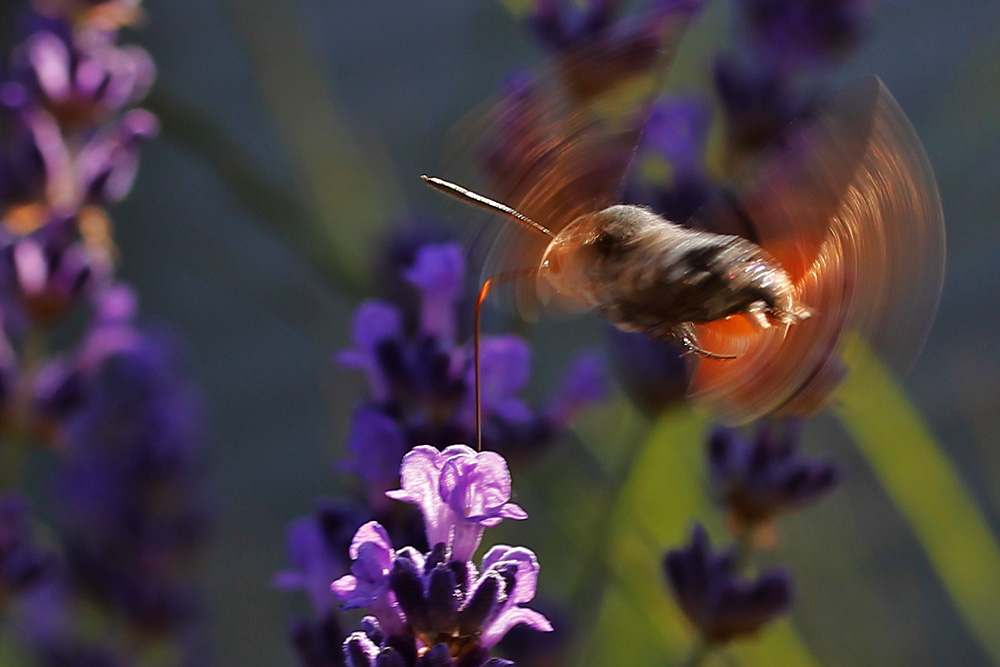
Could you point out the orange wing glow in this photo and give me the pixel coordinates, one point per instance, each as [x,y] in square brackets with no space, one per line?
[850,207]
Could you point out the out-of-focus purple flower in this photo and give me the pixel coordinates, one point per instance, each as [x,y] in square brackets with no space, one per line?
[82,80]
[460,492]
[108,163]
[376,325]
[376,445]
[49,270]
[598,48]
[652,373]
[318,546]
[757,479]
[23,562]
[764,86]
[720,604]
[129,493]
[676,136]
[585,383]
[438,272]
[804,33]
[505,368]
[36,167]
[758,101]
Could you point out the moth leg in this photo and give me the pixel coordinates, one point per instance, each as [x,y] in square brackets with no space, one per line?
[787,311]
[685,335]
[757,313]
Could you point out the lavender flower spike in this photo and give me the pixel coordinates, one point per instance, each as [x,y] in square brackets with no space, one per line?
[720,604]
[761,477]
[461,492]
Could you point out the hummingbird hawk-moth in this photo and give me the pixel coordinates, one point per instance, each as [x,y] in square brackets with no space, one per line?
[835,234]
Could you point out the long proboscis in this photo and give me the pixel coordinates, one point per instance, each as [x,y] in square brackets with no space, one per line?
[466,195]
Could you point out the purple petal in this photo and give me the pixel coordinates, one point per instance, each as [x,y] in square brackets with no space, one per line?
[438,271]
[419,475]
[49,58]
[374,322]
[511,617]
[345,587]
[370,532]
[527,570]
[376,443]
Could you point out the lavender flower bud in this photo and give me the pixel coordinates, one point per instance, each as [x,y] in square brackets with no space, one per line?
[721,605]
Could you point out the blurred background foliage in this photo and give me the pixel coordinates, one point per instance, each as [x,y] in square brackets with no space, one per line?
[293,133]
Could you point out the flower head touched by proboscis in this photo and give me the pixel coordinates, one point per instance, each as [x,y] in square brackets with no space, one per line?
[421,378]
[439,608]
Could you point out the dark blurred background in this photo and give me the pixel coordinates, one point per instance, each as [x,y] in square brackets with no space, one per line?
[294,131]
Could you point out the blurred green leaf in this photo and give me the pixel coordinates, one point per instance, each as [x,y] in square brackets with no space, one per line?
[350,192]
[929,492]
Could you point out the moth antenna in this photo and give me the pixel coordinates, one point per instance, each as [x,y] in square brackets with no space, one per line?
[458,192]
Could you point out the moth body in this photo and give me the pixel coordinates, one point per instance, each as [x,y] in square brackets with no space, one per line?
[646,274]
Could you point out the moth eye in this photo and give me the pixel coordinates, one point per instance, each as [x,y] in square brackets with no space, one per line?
[604,243]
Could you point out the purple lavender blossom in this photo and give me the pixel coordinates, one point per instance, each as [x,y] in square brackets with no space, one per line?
[128,495]
[438,608]
[441,600]
[721,605]
[422,383]
[757,479]
[75,141]
[368,584]
[460,492]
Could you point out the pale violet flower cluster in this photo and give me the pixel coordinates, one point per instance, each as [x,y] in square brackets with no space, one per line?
[439,608]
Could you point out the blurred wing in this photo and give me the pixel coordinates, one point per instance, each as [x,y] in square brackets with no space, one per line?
[849,205]
[557,146]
